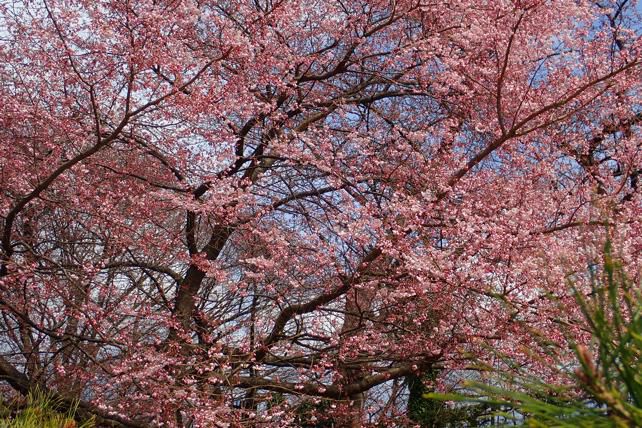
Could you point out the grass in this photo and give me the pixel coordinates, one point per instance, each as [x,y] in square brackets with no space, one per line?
[39,411]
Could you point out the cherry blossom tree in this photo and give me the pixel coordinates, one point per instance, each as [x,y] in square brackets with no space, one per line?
[220,213]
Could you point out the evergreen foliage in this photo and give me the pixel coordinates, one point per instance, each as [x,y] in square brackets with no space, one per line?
[607,376]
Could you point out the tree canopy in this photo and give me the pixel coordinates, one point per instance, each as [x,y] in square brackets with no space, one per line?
[219,213]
